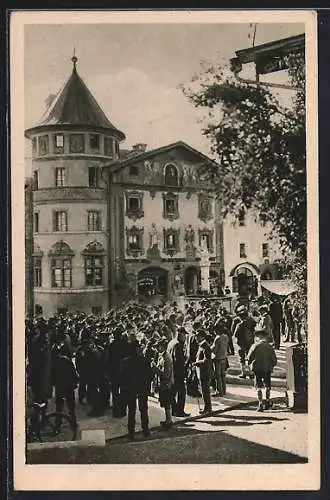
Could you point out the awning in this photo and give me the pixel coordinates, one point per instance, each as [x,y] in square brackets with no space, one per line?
[279,287]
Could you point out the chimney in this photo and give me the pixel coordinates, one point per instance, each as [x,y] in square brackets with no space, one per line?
[139,147]
[49,100]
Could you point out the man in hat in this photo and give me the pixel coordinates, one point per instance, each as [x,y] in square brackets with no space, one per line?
[135,385]
[244,333]
[276,313]
[164,369]
[266,322]
[220,349]
[204,369]
[65,380]
[117,350]
[176,349]
[262,358]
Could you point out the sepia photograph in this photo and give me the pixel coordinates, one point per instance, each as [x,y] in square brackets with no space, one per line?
[164,221]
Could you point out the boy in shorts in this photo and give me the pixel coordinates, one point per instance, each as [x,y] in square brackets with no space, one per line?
[262,359]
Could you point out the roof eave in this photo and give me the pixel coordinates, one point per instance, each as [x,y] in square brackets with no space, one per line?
[277,47]
[118,164]
[67,126]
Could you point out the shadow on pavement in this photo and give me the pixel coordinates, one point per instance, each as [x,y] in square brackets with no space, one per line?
[197,448]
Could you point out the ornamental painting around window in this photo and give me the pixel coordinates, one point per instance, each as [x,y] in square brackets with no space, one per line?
[134,205]
[205,208]
[134,241]
[170,206]
[171,241]
[77,143]
[207,236]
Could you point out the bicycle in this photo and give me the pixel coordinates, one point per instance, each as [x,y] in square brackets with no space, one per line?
[49,427]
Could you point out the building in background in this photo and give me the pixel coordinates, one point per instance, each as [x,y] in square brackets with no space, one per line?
[110,225]
[250,255]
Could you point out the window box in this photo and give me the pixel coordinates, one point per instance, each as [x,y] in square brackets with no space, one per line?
[134,241]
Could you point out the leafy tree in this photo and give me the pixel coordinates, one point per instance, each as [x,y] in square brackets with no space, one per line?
[260,152]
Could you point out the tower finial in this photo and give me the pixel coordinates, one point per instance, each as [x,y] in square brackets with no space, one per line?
[74,59]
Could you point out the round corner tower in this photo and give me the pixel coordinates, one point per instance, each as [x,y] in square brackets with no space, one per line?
[70,144]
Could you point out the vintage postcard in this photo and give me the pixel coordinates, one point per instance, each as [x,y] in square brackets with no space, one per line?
[164,174]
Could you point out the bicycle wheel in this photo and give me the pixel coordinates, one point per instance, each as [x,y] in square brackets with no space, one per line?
[56,427]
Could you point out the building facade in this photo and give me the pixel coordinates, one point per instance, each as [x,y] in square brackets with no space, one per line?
[111,225]
[250,256]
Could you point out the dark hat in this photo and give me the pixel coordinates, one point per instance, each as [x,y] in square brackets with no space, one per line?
[201,333]
[261,332]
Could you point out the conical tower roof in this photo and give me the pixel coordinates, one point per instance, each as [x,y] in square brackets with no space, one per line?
[76,106]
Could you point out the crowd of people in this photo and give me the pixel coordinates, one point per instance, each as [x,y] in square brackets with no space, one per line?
[121,358]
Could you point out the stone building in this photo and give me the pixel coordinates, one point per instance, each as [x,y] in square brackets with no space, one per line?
[111,224]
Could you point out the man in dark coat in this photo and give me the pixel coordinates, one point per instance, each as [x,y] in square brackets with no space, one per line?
[65,380]
[204,368]
[276,313]
[177,350]
[83,367]
[40,366]
[244,332]
[117,350]
[135,385]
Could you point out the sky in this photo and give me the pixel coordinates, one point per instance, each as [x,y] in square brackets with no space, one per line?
[134,70]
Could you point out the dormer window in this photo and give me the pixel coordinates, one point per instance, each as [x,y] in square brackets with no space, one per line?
[171,175]
[94,141]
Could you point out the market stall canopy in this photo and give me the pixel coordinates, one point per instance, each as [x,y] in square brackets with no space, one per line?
[279,287]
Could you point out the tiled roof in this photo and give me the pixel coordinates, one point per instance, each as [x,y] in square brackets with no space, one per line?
[75,105]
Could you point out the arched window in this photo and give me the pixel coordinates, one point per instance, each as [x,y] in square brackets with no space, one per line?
[94,264]
[61,265]
[171,175]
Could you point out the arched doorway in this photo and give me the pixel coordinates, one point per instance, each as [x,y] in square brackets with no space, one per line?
[152,282]
[192,278]
[245,282]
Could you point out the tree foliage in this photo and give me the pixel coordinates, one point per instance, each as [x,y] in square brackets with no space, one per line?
[260,152]
[260,148]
